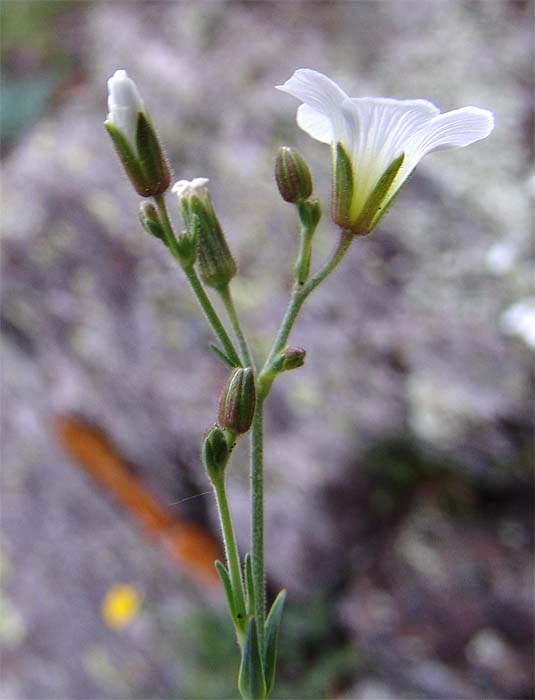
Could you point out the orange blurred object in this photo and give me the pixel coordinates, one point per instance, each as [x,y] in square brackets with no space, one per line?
[191,546]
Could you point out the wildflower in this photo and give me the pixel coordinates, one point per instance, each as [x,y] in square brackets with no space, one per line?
[134,137]
[376,142]
[120,606]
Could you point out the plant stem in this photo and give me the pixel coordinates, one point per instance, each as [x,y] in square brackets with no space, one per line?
[204,301]
[226,297]
[257,509]
[299,295]
[231,550]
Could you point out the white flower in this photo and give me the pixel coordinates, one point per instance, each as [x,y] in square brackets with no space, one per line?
[188,188]
[124,104]
[373,133]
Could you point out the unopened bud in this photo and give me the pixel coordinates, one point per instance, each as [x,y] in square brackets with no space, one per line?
[237,405]
[292,175]
[134,137]
[216,264]
[150,220]
[290,358]
[215,453]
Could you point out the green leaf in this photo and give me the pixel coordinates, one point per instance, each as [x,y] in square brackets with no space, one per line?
[249,584]
[129,159]
[376,200]
[222,356]
[225,580]
[152,160]
[271,640]
[251,677]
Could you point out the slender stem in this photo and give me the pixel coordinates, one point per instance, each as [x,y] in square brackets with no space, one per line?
[231,549]
[226,296]
[257,506]
[204,301]
[299,295]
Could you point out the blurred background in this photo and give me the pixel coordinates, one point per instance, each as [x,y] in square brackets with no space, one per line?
[398,474]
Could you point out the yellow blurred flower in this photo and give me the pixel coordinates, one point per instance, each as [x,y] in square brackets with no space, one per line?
[120,606]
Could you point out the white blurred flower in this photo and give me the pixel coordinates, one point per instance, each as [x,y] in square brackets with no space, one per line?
[124,104]
[500,258]
[188,188]
[519,320]
[374,133]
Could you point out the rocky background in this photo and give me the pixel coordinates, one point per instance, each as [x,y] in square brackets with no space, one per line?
[399,474]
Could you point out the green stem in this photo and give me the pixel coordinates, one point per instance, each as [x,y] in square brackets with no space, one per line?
[299,295]
[231,551]
[204,301]
[265,380]
[226,297]
[257,508]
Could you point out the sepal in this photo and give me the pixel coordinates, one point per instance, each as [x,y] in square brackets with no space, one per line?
[342,187]
[216,264]
[378,201]
[151,157]
[150,220]
[129,159]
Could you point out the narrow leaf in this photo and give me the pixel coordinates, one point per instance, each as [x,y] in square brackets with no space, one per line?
[251,677]
[222,356]
[249,584]
[376,200]
[225,580]
[271,640]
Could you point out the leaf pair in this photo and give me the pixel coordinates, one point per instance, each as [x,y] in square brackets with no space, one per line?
[257,670]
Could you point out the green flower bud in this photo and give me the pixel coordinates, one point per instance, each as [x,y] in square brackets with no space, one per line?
[215,453]
[134,137]
[237,405]
[292,175]
[290,358]
[150,220]
[216,264]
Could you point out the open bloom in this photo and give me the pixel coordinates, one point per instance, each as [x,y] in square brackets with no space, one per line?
[134,137]
[377,142]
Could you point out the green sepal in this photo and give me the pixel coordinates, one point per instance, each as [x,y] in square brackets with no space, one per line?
[216,264]
[251,680]
[129,159]
[151,158]
[226,359]
[249,584]
[186,245]
[342,187]
[271,636]
[376,201]
[227,585]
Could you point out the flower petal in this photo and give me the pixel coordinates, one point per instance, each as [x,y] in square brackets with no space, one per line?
[455,129]
[322,95]
[315,124]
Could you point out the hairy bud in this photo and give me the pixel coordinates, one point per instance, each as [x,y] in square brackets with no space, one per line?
[237,405]
[292,175]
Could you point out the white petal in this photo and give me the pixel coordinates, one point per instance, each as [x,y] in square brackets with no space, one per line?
[124,103]
[315,124]
[187,188]
[455,129]
[321,94]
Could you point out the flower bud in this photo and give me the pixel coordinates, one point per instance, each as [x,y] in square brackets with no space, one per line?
[292,175]
[134,137]
[150,220]
[216,264]
[215,453]
[237,405]
[291,357]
